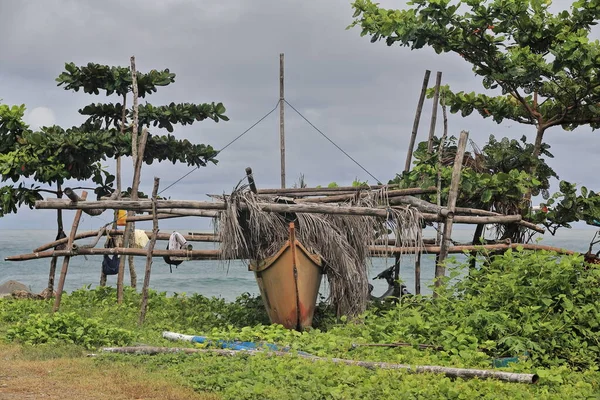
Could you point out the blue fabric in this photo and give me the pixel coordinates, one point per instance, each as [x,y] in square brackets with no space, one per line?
[110,266]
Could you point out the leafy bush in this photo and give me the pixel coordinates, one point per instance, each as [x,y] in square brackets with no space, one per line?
[538,306]
[69,328]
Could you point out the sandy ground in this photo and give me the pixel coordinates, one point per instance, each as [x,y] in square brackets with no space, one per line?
[81,378]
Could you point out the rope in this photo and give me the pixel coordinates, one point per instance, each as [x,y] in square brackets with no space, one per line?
[332,142]
[227,145]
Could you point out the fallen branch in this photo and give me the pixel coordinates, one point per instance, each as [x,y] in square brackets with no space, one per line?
[419,369]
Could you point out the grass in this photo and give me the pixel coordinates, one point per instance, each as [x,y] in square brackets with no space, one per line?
[63,372]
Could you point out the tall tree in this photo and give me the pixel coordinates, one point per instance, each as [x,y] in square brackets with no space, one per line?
[53,155]
[544,64]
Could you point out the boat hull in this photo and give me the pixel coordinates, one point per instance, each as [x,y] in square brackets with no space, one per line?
[289,285]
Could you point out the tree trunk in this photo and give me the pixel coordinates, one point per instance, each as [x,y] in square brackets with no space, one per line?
[476,240]
[60,228]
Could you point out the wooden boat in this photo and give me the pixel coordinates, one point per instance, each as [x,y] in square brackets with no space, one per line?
[289,284]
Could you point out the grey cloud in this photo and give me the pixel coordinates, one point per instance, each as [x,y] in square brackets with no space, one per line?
[362,95]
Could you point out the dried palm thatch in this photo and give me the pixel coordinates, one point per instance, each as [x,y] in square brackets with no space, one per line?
[342,241]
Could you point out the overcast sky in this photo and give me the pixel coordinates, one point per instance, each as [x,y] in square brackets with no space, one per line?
[362,95]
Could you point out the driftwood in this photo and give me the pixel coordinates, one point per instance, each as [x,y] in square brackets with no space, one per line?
[463,373]
[190,254]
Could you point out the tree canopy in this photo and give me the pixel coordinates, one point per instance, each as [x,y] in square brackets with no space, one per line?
[53,155]
[544,64]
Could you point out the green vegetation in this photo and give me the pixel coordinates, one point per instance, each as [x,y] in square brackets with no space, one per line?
[54,155]
[540,307]
[536,68]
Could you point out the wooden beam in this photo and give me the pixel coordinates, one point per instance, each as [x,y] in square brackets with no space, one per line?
[191,254]
[65,266]
[144,305]
[440,269]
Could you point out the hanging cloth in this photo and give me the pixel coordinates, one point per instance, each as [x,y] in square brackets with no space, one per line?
[110,266]
[176,242]
[140,239]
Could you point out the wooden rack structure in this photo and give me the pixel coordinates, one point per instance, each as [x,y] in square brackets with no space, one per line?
[304,200]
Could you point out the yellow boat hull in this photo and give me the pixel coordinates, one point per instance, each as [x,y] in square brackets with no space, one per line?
[289,284]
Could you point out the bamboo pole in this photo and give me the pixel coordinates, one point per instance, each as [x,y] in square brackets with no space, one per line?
[463,373]
[440,270]
[436,99]
[282,119]
[413,136]
[144,305]
[65,266]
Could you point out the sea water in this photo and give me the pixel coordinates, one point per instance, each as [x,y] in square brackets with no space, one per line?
[227,280]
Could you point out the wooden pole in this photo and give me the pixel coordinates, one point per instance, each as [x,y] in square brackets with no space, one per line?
[250,178]
[413,136]
[463,373]
[196,208]
[281,120]
[118,179]
[418,273]
[65,266]
[151,245]
[439,165]
[344,197]
[74,197]
[440,269]
[308,191]
[374,251]
[101,251]
[59,230]
[436,99]
[194,237]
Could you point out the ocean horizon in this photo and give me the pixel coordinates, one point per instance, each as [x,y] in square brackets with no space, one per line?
[226,280]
